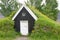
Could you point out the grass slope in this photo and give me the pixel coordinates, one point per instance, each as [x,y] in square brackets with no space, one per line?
[7,31]
[45,28]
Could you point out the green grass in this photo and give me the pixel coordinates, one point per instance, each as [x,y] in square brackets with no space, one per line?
[8,38]
[44,39]
[44,28]
[7,31]
[43,36]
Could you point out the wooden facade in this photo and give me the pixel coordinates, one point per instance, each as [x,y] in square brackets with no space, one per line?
[24,20]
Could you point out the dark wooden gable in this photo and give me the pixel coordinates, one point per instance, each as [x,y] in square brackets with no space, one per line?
[26,17]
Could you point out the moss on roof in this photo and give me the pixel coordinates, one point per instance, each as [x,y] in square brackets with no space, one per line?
[43,19]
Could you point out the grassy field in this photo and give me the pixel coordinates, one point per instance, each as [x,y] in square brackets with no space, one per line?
[8,38]
[7,31]
[45,38]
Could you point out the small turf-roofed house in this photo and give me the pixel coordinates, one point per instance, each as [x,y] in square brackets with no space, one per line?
[24,20]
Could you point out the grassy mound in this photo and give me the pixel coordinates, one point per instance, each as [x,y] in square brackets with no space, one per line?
[45,28]
[7,31]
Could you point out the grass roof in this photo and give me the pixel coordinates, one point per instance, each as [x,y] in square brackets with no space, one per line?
[43,19]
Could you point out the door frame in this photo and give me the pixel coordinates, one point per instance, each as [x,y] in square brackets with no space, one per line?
[27,25]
